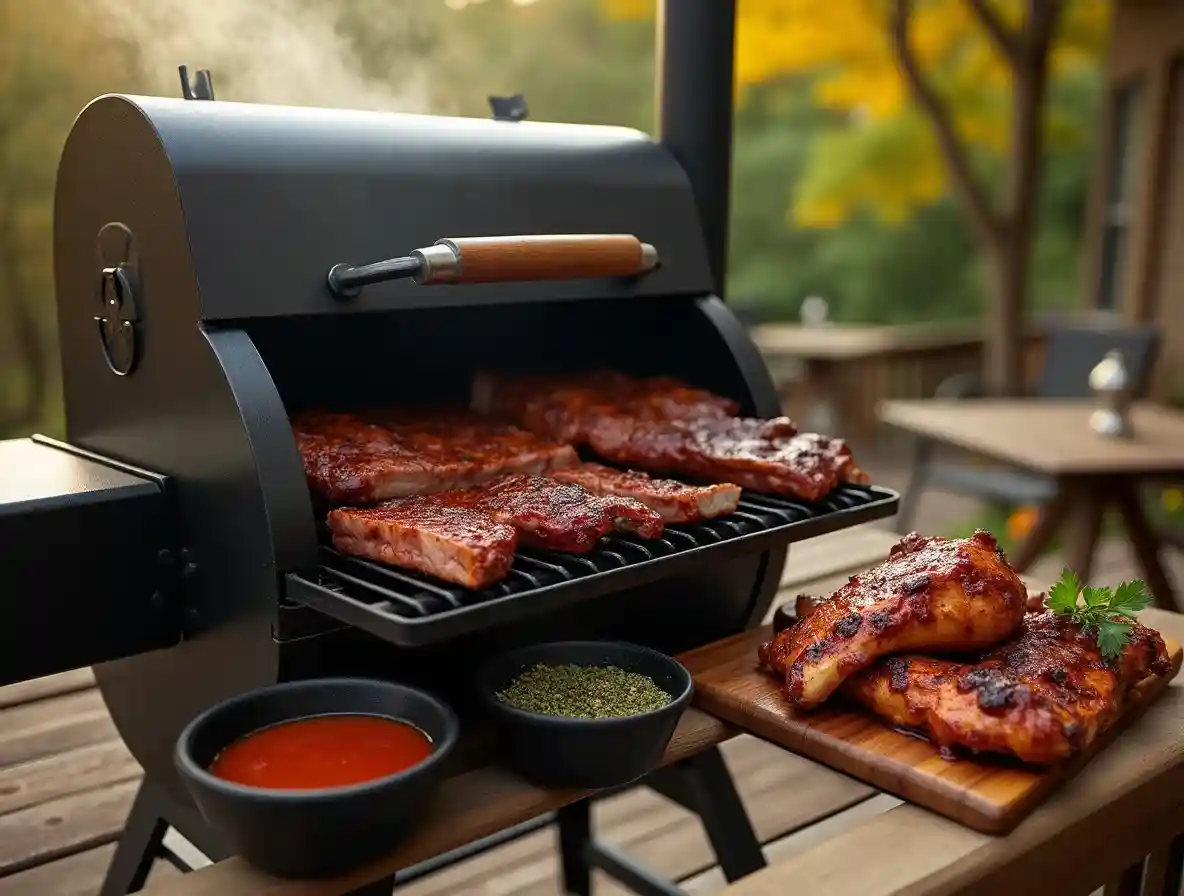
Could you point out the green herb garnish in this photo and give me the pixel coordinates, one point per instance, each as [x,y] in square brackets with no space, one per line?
[585,692]
[1108,612]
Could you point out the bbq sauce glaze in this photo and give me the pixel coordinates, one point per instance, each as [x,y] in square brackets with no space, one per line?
[322,751]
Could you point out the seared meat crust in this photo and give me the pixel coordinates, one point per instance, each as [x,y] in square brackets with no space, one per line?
[948,595]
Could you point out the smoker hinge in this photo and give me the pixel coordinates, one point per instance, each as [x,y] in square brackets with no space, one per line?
[202,86]
[509,108]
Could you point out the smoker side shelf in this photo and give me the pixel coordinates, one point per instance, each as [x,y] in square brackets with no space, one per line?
[412,610]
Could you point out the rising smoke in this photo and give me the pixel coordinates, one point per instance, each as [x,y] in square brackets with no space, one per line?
[292,52]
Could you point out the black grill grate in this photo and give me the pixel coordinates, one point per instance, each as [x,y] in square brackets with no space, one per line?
[410,609]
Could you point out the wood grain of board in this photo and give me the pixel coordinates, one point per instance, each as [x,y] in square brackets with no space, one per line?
[984,794]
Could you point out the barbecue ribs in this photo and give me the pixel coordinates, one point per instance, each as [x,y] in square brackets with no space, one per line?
[663,426]
[558,515]
[366,458]
[674,501]
[469,536]
[939,594]
[454,543]
[1041,697]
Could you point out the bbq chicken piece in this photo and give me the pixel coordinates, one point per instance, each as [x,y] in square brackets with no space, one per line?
[938,594]
[1041,697]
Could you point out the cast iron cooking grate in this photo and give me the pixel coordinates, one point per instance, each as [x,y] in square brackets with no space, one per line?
[410,609]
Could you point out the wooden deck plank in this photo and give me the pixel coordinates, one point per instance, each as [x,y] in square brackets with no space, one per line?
[51,777]
[49,686]
[60,827]
[782,793]
[33,730]
[78,875]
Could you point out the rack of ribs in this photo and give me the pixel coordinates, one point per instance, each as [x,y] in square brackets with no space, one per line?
[469,536]
[1040,697]
[663,426]
[940,594]
[673,501]
[364,458]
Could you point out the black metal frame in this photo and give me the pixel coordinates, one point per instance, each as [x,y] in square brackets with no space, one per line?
[700,784]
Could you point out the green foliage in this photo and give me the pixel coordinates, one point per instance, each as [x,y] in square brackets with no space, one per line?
[573,63]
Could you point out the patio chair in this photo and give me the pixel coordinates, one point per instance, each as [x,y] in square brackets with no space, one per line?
[1071,353]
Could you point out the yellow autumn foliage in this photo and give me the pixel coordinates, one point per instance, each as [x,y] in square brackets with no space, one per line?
[887,159]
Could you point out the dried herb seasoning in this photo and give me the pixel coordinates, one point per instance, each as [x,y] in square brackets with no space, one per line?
[584,692]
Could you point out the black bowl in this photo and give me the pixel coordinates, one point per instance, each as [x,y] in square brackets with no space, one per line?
[558,751]
[312,833]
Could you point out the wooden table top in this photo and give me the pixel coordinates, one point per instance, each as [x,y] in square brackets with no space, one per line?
[846,342]
[468,807]
[1051,437]
[1123,805]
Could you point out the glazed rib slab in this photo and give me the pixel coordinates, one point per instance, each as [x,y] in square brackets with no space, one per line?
[663,426]
[364,458]
[469,536]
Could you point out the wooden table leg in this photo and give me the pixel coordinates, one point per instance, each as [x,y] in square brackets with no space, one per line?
[1083,526]
[1145,543]
[1052,515]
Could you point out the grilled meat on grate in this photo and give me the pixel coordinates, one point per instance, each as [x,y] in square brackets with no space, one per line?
[561,516]
[568,407]
[674,501]
[454,543]
[365,458]
[664,426]
[469,536]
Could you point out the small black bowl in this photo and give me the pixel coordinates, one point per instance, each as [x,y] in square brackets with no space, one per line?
[562,752]
[312,833]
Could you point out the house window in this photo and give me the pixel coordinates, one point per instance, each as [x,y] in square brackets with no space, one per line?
[1125,148]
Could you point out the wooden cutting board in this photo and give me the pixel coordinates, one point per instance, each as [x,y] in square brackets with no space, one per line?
[989,795]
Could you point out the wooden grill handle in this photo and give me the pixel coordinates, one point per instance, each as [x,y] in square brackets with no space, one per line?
[498,259]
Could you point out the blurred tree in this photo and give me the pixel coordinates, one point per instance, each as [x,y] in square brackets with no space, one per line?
[50,57]
[933,93]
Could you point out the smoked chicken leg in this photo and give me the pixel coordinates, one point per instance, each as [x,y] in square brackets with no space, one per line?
[1041,697]
[933,594]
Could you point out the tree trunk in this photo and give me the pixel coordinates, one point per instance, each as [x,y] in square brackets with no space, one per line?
[1007,266]
[1009,250]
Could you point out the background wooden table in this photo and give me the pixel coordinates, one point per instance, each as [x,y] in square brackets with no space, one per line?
[1092,473]
[850,365]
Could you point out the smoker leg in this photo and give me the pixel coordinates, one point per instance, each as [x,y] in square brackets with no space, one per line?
[575,835]
[142,841]
[703,785]
[139,845]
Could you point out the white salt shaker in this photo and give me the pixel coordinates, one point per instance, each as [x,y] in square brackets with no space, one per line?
[1110,382]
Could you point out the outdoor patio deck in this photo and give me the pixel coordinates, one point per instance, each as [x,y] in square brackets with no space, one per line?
[66,780]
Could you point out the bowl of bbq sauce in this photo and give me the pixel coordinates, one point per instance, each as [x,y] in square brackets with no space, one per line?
[312,778]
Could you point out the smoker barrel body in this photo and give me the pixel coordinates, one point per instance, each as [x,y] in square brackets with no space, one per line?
[192,242]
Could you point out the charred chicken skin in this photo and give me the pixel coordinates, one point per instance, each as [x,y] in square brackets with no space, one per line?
[947,595]
[1041,697]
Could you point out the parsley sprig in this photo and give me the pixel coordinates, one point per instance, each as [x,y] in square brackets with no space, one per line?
[1108,612]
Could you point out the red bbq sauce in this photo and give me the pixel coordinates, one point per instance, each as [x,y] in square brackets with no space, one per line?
[323,751]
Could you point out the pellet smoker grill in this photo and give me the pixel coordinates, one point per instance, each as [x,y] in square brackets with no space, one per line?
[171,541]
